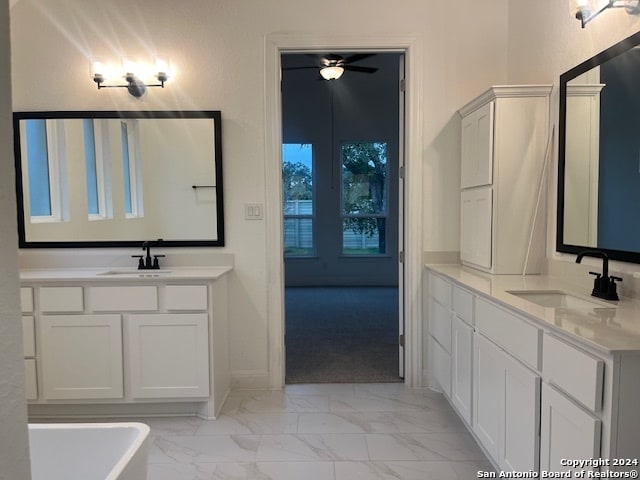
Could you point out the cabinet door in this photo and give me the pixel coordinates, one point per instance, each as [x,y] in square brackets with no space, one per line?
[440,365]
[477,147]
[488,393]
[520,450]
[476,225]
[168,355]
[567,431]
[81,356]
[461,367]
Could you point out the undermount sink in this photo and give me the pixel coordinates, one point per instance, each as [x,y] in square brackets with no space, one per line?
[135,272]
[558,299]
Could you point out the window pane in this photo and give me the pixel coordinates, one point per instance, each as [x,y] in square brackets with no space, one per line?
[297,173]
[364,236]
[126,166]
[364,198]
[38,168]
[298,236]
[297,193]
[90,166]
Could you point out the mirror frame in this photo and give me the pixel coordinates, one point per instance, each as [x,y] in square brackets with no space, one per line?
[605,55]
[214,115]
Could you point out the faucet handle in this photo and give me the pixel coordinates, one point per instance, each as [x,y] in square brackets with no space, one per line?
[140,261]
[156,264]
[611,288]
[598,287]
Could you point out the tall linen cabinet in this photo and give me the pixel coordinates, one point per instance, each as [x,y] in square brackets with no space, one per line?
[505,132]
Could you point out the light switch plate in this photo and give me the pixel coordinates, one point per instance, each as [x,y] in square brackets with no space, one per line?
[253,211]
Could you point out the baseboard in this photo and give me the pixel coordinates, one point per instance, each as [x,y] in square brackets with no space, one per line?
[251,379]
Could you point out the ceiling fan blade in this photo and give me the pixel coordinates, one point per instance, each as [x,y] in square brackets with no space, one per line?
[299,68]
[357,57]
[355,68]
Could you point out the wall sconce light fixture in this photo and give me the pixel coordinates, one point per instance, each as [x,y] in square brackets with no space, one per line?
[138,76]
[587,10]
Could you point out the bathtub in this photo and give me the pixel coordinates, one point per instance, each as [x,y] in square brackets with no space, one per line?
[88,451]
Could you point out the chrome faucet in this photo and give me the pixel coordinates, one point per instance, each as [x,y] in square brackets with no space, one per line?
[604,286]
[144,261]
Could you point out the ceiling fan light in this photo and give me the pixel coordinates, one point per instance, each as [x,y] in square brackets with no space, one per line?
[331,73]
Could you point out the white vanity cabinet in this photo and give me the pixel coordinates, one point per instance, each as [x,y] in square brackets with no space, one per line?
[107,344]
[496,394]
[504,134]
[541,393]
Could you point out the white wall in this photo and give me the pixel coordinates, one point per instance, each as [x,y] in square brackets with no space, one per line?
[217,49]
[545,40]
[14,448]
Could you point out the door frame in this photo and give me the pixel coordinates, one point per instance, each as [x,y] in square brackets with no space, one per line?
[275,46]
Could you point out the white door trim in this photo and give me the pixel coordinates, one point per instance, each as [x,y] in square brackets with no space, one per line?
[275,45]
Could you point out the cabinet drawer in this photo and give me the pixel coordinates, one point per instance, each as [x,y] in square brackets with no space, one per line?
[61,299]
[28,336]
[130,298]
[26,299]
[463,304]
[573,371]
[517,336]
[185,297]
[30,379]
[440,290]
[440,325]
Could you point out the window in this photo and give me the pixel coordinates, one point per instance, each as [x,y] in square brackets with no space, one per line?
[96,155]
[297,188]
[364,198]
[46,182]
[132,168]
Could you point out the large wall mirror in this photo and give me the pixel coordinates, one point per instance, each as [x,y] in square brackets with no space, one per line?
[109,179]
[599,154]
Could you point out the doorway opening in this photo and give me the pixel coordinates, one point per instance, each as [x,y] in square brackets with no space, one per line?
[342,217]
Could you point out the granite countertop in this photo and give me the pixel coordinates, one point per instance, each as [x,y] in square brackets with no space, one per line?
[608,326]
[120,274]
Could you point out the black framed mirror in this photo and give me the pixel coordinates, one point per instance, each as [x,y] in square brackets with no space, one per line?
[118,178]
[599,154]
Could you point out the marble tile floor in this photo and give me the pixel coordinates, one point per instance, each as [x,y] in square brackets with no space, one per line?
[319,432]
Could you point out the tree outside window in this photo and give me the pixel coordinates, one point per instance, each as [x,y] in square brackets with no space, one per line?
[364,202]
[297,193]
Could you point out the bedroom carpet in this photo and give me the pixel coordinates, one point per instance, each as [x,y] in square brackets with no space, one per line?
[341,335]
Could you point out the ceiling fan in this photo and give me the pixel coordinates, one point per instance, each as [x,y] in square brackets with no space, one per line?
[332,66]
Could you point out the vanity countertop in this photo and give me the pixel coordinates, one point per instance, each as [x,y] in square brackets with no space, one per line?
[610,327]
[121,274]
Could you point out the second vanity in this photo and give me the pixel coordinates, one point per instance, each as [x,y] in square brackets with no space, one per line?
[544,376]
[125,342]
